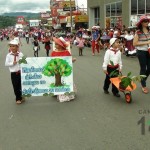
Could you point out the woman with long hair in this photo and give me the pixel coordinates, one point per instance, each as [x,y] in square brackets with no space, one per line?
[142,42]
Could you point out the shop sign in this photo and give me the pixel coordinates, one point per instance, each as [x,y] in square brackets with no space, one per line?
[81,18]
[69,19]
[67,5]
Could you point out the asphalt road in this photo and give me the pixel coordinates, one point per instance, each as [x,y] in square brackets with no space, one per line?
[93,121]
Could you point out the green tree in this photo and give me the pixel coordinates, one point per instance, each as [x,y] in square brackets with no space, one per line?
[6,21]
[57,67]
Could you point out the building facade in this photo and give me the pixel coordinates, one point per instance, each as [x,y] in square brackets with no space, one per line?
[66,14]
[111,13]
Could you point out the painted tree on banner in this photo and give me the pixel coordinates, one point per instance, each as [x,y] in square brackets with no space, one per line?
[57,67]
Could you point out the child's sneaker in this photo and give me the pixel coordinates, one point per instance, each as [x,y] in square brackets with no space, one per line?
[106,91]
[63,98]
[18,102]
[71,97]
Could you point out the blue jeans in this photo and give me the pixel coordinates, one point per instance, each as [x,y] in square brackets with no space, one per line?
[144,61]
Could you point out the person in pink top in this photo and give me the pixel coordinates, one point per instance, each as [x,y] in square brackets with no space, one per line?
[80,45]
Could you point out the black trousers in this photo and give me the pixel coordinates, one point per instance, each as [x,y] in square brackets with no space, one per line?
[144,61]
[47,52]
[36,53]
[16,82]
[80,51]
[27,40]
[107,81]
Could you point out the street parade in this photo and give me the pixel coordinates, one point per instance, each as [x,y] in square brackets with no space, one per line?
[76,78]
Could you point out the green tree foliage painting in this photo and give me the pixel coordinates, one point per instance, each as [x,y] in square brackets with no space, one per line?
[57,67]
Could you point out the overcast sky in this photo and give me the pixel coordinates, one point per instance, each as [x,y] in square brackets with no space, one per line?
[29,5]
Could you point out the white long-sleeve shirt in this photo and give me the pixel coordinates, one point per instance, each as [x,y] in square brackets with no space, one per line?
[10,59]
[115,57]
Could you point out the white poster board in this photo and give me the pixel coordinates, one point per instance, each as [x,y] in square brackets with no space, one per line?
[47,75]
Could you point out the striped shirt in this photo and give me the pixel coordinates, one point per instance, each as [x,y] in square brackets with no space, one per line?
[143,37]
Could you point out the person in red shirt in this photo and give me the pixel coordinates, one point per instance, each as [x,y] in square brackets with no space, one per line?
[61,50]
[47,43]
[60,46]
[110,33]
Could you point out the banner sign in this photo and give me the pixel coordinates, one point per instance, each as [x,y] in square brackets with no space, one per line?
[47,75]
[81,18]
[20,20]
[56,4]
[66,5]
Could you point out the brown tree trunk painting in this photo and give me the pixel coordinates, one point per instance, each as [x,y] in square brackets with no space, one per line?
[58,79]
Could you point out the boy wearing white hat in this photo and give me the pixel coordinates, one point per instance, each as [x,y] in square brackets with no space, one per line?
[12,61]
[113,54]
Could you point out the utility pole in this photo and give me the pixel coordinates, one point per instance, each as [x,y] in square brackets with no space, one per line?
[83,8]
[70,17]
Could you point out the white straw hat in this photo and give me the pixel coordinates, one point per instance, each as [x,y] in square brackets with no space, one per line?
[13,42]
[112,41]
